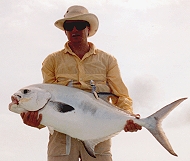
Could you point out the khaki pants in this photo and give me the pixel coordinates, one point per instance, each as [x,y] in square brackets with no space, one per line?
[57,150]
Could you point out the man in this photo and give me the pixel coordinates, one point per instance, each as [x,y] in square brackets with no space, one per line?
[80,63]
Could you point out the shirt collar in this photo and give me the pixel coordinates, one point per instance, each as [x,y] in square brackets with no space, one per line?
[91,51]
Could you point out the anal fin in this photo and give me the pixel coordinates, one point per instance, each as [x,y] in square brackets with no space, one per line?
[89,146]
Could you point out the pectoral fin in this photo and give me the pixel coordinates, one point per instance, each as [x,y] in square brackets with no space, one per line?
[62,107]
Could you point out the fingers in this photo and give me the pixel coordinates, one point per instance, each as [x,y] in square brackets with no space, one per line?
[131,126]
[31,118]
[22,115]
[39,119]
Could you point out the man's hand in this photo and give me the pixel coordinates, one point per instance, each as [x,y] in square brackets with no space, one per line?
[31,118]
[130,126]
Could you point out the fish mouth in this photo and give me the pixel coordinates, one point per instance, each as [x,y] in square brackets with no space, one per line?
[15,101]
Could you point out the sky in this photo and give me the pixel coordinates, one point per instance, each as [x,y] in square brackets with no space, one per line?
[149,38]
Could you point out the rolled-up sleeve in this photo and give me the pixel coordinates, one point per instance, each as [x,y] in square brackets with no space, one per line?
[48,70]
[118,87]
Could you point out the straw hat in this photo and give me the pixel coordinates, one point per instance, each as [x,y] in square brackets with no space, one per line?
[79,13]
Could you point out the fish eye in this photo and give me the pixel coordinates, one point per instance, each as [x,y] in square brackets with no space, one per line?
[25,91]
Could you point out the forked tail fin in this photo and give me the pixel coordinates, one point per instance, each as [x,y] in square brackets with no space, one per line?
[154,121]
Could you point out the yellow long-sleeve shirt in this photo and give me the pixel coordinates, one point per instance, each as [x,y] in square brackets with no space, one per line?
[64,66]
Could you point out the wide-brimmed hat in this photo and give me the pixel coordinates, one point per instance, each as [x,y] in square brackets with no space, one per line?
[79,13]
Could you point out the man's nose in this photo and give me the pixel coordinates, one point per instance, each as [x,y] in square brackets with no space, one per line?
[74,29]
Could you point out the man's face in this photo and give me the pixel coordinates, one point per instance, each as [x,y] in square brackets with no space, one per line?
[76,30]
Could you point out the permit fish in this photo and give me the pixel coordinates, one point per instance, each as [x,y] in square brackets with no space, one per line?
[81,115]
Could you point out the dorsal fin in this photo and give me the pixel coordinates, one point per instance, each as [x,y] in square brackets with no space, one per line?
[105,96]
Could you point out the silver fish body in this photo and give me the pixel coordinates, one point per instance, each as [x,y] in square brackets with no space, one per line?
[81,115]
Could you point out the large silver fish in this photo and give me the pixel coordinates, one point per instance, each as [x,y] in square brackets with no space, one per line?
[81,115]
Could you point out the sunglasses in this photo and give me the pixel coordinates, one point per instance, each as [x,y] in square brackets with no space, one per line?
[79,25]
